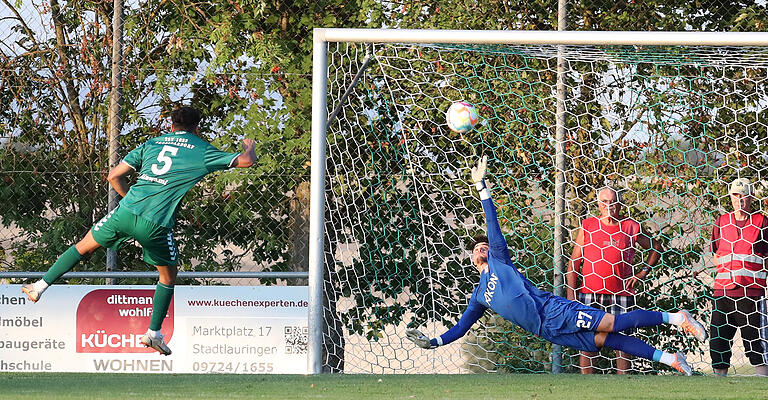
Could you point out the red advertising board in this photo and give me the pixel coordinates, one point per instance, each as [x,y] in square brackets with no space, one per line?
[113,321]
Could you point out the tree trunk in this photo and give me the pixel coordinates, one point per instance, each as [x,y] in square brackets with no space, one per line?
[72,101]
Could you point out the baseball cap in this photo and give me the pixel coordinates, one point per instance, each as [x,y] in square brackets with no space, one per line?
[741,186]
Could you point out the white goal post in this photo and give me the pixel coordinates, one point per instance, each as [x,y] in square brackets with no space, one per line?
[321,111]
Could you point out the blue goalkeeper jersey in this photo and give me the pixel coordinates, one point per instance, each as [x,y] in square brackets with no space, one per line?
[502,288]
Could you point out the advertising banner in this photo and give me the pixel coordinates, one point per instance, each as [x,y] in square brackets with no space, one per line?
[210,329]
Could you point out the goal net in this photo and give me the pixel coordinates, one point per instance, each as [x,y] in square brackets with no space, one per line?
[670,127]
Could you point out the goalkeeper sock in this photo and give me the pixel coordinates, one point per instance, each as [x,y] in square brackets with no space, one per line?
[160,304]
[676,319]
[631,345]
[664,357]
[63,265]
[636,319]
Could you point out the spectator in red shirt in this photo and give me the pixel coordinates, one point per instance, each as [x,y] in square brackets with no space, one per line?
[740,247]
[604,258]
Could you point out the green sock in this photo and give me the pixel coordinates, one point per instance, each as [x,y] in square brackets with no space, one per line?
[163,297]
[65,263]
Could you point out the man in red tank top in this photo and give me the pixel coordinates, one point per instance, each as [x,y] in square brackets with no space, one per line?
[603,256]
[740,247]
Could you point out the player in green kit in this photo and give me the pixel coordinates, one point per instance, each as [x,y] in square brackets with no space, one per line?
[168,166]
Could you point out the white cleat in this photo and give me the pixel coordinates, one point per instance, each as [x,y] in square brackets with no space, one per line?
[156,343]
[693,327]
[681,365]
[30,291]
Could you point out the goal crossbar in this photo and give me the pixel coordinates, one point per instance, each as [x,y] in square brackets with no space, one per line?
[601,38]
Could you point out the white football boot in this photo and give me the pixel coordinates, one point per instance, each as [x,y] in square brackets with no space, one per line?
[156,343]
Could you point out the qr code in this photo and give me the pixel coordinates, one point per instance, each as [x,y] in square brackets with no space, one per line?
[296,339]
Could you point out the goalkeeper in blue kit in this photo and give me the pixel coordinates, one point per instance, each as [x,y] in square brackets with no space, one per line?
[505,290]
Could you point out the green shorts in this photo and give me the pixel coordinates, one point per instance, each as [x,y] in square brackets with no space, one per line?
[120,225]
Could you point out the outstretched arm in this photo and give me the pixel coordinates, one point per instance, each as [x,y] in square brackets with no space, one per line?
[473,312]
[496,240]
[248,156]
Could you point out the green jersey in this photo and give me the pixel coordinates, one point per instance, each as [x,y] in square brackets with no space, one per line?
[168,166]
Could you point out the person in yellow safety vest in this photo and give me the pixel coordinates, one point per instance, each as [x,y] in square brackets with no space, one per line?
[740,247]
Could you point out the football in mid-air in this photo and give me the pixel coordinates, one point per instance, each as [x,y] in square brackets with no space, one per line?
[461,117]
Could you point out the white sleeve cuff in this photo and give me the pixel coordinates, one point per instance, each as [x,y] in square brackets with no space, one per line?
[484,194]
[232,162]
[439,341]
[480,185]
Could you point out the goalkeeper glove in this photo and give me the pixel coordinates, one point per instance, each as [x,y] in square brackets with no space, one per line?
[420,339]
[478,172]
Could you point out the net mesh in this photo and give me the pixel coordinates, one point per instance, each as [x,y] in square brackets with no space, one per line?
[669,128]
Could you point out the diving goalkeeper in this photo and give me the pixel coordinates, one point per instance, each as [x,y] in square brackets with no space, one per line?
[506,291]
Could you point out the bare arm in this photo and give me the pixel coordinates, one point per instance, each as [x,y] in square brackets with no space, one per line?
[248,156]
[117,178]
[647,242]
[574,265]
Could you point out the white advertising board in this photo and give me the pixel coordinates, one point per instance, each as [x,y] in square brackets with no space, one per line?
[210,329]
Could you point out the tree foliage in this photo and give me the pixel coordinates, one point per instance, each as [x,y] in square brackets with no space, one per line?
[246,64]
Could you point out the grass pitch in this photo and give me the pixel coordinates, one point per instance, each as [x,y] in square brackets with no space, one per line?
[390,387]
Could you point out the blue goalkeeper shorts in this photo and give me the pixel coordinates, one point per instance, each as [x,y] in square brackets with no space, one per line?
[570,323]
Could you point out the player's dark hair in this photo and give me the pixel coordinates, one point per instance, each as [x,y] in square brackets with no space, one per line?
[478,239]
[186,118]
